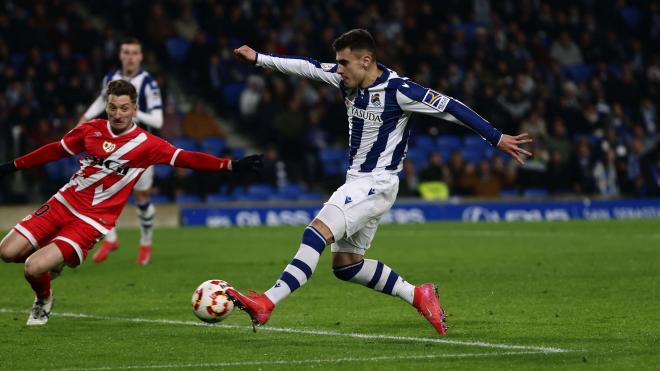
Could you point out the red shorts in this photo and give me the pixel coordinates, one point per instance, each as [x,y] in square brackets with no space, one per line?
[53,222]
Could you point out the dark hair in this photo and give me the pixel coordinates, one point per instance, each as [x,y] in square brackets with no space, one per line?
[122,87]
[130,40]
[356,39]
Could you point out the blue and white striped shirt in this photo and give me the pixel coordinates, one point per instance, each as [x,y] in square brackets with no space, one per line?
[378,115]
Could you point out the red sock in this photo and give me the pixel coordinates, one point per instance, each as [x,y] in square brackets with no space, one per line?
[40,285]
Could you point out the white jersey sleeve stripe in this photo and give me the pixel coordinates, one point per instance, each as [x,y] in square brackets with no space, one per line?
[176,153]
[66,148]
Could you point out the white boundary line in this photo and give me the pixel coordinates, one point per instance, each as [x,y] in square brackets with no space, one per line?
[537,349]
[299,361]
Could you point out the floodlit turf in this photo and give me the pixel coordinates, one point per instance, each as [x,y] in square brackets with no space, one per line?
[565,295]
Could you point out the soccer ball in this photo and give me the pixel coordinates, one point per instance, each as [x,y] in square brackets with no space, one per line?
[210,303]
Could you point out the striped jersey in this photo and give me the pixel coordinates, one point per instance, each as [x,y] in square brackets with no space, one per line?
[148,92]
[378,115]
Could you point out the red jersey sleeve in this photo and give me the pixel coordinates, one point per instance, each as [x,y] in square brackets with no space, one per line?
[163,152]
[74,141]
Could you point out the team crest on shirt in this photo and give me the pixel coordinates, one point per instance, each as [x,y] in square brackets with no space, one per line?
[109,147]
[436,100]
[375,99]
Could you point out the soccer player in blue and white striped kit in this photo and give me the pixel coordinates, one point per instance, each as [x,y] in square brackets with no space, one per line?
[379,104]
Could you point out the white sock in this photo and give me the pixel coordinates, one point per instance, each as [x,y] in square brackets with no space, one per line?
[378,276]
[111,237]
[146,214]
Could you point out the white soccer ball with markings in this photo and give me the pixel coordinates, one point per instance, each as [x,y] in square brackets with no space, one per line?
[210,303]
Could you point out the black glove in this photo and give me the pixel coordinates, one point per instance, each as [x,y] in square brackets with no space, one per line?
[248,164]
[7,168]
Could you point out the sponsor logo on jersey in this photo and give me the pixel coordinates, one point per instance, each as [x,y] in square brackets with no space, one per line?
[375,99]
[348,200]
[435,100]
[109,147]
[116,166]
[365,115]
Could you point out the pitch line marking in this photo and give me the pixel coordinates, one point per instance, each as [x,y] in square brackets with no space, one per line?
[480,344]
[300,361]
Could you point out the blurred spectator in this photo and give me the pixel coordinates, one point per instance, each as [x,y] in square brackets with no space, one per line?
[409,184]
[565,51]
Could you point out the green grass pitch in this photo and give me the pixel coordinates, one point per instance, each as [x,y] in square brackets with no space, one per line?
[564,295]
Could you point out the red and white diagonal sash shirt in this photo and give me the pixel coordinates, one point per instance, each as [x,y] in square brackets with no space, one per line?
[111,166]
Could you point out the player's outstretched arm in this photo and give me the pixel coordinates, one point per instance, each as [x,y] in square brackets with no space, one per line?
[304,67]
[48,153]
[205,162]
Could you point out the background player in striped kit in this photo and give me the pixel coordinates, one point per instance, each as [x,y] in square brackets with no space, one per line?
[379,104]
[150,117]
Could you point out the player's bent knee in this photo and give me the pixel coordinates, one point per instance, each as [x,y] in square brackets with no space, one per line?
[34,268]
[346,272]
[332,218]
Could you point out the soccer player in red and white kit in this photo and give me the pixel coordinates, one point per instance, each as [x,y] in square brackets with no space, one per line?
[117,152]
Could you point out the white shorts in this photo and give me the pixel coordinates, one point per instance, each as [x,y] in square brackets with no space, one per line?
[146,180]
[363,200]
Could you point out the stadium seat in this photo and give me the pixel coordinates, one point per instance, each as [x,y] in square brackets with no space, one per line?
[311,196]
[177,48]
[535,192]
[160,199]
[187,198]
[509,192]
[162,171]
[186,143]
[448,143]
[231,94]
[261,190]
[472,155]
[219,197]
[334,161]
[418,157]
[474,141]
[238,153]
[424,142]
[580,72]
[289,192]
[213,145]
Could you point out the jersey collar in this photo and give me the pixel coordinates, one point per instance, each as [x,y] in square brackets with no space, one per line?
[131,129]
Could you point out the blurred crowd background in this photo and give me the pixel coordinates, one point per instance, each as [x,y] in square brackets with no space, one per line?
[581,76]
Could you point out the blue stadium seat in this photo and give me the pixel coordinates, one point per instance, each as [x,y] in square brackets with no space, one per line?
[311,196]
[289,192]
[448,143]
[474,141]
[509,192]
[177,48]
[535,192]
[219,197]
[187,198]
[213,145]
[231,94]
[424,142]
[580,72]
[334,161]
[238,153]
[472,155]
[160,199]
[418,157]
[162,171]
[186,143]
[261,190]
